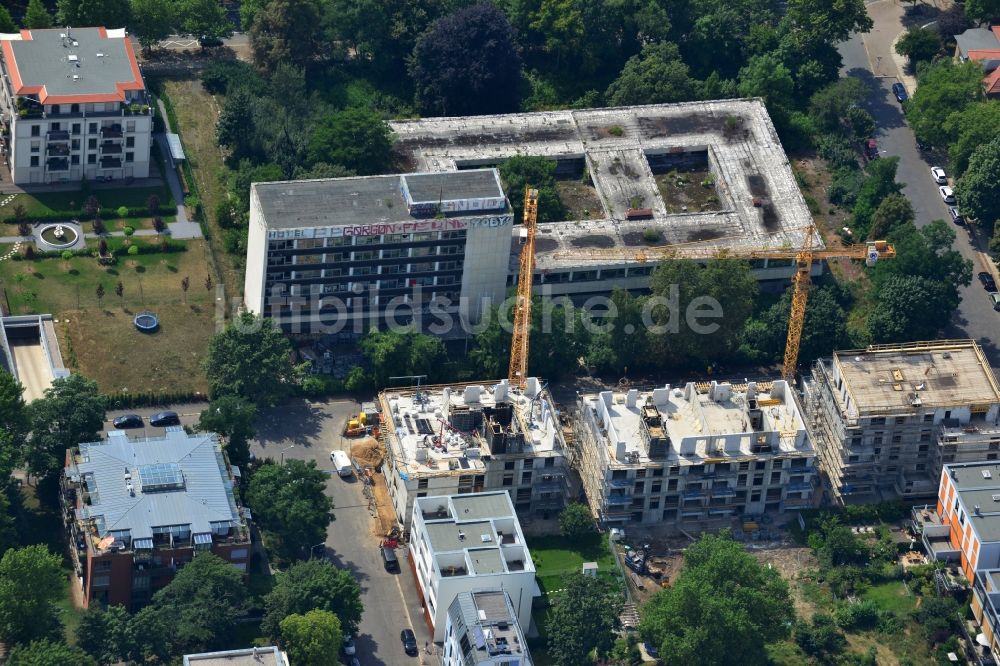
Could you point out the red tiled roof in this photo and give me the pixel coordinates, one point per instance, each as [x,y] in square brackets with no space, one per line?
[996,31]
[992,82]
[984,54]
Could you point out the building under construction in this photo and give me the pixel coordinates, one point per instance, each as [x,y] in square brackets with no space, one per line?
[700,456]
[887,418]
[638,163]
[465,438]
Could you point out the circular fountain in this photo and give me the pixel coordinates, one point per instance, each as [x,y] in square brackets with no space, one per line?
[59,236]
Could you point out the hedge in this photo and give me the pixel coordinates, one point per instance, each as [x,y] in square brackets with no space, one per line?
[170,208]
[151,399]
[163,246]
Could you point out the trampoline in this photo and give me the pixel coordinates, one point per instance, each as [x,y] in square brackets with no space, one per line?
[147,322]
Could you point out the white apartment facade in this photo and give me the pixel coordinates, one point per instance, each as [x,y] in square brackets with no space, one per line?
[482,630]
[468,543]
[697,456]
[73,105]
[465,438]
[343,255]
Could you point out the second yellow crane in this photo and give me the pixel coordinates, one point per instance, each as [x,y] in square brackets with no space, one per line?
[518,374]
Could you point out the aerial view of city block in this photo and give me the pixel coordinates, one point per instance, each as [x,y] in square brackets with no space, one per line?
[499,333]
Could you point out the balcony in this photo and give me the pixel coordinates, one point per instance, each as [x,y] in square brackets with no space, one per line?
[111,148]
[57,135]
[618,500]
[58,149]
[111,132]
[57,164]
[111,162]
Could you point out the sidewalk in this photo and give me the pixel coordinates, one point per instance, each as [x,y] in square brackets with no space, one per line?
[182,228]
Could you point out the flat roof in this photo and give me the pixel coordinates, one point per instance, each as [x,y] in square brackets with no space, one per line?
[943,373]
[703,421]
[421,444]
[331,202]
[262,656]
[71,65]
[623,150]
[978,484]
[488,621]
[479,506]
[139,485]
[448,536]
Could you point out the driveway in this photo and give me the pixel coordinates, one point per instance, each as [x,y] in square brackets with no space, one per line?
[975,317]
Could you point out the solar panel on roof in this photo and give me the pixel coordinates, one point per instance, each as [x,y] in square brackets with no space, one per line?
[477,634]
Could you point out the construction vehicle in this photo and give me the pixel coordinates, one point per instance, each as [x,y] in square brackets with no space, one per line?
[357,425]
[518,374]
[870,252]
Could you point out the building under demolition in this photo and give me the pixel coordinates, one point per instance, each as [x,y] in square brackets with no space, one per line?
[887,418]
[697,456]
[449,440]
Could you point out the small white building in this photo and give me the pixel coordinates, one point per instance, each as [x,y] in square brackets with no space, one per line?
[466,543]
[482,630]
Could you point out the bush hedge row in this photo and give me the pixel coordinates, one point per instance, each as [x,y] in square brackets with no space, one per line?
[165,245]
[170,208]
[151,399]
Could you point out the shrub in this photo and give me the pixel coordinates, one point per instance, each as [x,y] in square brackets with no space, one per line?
[128,231]
[150,399]
[98,226]
[67,255]
[158,225]
[651,235]
[133,250]
[23,229]
[29,252]
[122,211]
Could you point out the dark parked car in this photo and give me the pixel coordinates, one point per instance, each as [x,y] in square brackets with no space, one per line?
[900,92]
[956,216]
[871,149]
[989,284]
[389,560]
[164,419]
[127,421]
[409,642]
[209,42]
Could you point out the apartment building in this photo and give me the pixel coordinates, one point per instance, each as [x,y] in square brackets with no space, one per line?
[986,609]
[343,255]
[482,630]
[255,656]
[695,456]
[468,543]
[73,105]
[465,438]
[887,418]
[138,510]
[964,526]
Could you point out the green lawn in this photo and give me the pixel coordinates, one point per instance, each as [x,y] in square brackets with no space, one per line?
[555,557]
[44,203]
[893,596]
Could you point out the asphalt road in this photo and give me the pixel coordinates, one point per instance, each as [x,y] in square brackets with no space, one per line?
[975,317]
[309,431]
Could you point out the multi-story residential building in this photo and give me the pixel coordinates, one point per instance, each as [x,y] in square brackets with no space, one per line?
[885,419]
[482,630]
[343,255]
[140,509]
[256,656]
[466,543]
[695,456]
[986,609]
[73,105]
[464,438]
[964,525]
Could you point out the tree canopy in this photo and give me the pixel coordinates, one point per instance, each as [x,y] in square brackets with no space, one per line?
[537,172]
[107,635]
[355,138]
[108,13]
[6,22]
[584,617]
[977,187]
[286,31]
[945,88]
[233,418]
[250,359]
[204,18]
[919,44]
[14,422]
[152,21]
[48,653]
[657,75]
[577,523]
[724,602]
[36,16]
[313,585]
[397,353]
[71,412]
[976,125]
[467,64]
[291,506]
[31,581]
[314,638]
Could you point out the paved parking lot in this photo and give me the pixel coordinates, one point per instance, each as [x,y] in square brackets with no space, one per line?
[309,431]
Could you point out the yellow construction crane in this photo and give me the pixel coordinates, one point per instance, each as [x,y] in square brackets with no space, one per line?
[804,256]
[518,375]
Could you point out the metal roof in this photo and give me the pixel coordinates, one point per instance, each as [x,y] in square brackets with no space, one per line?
[176,149]
[134,484]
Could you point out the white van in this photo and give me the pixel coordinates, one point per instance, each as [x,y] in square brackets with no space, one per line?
[341,463]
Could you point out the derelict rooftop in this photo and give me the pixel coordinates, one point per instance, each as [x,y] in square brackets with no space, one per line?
[623,150]
[450,429]
[259,656]
[372,200]
[888,378]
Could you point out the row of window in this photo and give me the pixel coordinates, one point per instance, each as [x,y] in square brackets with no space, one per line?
[343,241]
[91,159]
[75,144]
[713,468]
[74,128]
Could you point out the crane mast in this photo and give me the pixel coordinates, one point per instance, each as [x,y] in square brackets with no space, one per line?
[518,374]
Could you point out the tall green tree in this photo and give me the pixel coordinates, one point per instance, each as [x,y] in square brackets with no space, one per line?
[201,605]
[286,31]
[48,653]
[467,64]
[314,638]
[830,105]
[584,617]
[909,308]
[919,45]
[974,126]
[313,585]
[879,183]
[355,138]
[982,11]
[106,634]
[625,343]
[14,423]
[657,75]
[767,76]
[6,22]
[71,412]
[204,18]
[539,173]
[894,211]
[31,581]
[233,418]
[394,353]
[977,187]
[152,21]
[576,523]
[724,602]
[824,330]
[250,359]
[107,13]
[819,21]
[291,506]
[945,88]
[36,16]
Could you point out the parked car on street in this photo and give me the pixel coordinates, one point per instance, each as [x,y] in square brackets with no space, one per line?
[126,421]
[986,279]
[995,300]
[899,90]
[947,194]
[939,176]
[349,647]
[956,216]
[164,419]
[409,642]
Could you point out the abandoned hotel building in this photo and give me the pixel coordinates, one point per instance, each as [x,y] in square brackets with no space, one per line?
[447,440]
[886,419]
[694,456]
[344,251]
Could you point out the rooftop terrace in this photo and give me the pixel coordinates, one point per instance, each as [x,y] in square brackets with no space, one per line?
[942,373]
[623,151]
[698,423]
[448,429]
[489,623]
